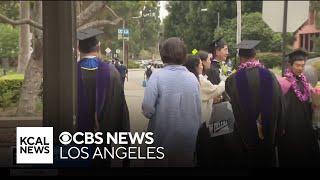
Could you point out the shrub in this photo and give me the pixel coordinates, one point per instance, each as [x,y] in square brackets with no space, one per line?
[270,60]
[132,64]
[276,70]
[10,89]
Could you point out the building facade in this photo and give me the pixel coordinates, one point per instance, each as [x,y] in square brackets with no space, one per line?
[307,32]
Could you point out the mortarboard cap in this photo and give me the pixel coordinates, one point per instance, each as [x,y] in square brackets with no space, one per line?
[247,48]
[248,44]
[297,54]
[218,42]
[87,40]
[88,33]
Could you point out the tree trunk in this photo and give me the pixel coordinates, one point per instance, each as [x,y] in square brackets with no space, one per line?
[24,38]
[34,72]
[78,7]
[31,84]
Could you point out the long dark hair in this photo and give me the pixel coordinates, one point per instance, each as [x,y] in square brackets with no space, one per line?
[203,55]
[192,63]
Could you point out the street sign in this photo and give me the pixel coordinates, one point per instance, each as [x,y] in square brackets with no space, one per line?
[124,33]
[119,34]
[118,51]
[108,50]
[272,14]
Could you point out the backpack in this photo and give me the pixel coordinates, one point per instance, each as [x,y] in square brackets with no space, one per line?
[148,72]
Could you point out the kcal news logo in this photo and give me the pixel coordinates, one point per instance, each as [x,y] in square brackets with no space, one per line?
[34,145]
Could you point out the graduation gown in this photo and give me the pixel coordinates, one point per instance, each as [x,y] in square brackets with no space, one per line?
[298,146]
[214,77]
[213,73]
[261,96]
[101,90]
[213,151]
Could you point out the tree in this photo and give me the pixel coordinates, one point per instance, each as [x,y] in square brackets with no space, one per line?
[251,6]
[34,71]
[315,7]
[196,27]
[10,9]
[253,28]
[24,38]
[175,24]
[8,43]
[150,25]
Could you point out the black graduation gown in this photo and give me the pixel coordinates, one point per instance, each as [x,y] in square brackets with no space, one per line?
[216,151]
[248,149]
[214,77]
[213,73]
[115,114]
[298,146]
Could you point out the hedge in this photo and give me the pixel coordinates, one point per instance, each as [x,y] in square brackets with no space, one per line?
[10,88]
[270,60]
[132,64]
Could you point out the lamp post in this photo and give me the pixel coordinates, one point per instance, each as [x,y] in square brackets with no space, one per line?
[123,42]
[238,22]
[218,15]
[123,26]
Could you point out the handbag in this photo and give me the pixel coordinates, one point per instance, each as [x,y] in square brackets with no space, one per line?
[221,120]
[144,83]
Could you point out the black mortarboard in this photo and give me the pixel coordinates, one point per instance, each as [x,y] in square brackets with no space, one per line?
[247,48]
[297,54]
[87,39]
[217,43]
[88,33]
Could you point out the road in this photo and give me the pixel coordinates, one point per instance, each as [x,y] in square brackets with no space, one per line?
[138,123]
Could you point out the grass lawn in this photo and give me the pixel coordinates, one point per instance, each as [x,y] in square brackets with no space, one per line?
[11,111]
[11,70]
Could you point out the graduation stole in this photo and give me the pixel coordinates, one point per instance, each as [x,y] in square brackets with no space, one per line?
[102,83]
[258,121]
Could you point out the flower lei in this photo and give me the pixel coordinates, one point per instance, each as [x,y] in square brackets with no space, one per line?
[250,64]
[303,97]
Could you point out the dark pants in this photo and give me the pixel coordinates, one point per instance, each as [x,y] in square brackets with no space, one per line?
[123,80]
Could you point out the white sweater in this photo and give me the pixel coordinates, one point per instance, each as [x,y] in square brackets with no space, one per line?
[208,93]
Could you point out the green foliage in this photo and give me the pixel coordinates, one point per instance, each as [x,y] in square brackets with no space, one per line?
[145,54]
[132,64]
[315,7]
[10,9]
[253,27]
[143,31]
[10,89]
[316,44]
[314,55]
[251,6]
[11,70]
[270,60]
[198,28]
[13,77]
[276,70]
[9,41]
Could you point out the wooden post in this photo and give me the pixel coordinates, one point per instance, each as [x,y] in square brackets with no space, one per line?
[59,77]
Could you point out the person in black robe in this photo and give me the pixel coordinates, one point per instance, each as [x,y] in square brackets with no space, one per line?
[219,50]
[298,147]
[101,101]
[212,150]
[258,107]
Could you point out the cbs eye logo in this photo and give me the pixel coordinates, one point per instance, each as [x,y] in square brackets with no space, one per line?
[65,138]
